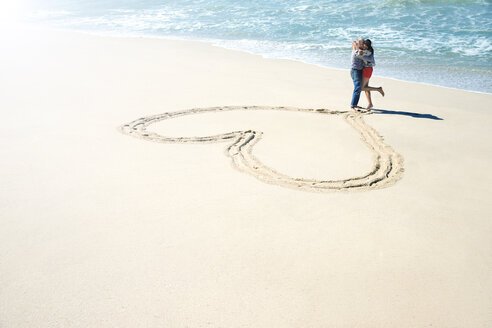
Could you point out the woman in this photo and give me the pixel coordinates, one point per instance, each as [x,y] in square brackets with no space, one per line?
[368,57]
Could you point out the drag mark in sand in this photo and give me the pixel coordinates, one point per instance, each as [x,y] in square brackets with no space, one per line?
[387,164]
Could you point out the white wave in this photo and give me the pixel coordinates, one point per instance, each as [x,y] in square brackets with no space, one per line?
[48,14]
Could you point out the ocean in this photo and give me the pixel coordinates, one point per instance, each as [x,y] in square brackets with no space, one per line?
[440,42]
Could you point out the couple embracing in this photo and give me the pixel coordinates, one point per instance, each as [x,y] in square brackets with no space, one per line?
[362,66]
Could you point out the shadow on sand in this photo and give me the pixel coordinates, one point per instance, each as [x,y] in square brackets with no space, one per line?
[416,115]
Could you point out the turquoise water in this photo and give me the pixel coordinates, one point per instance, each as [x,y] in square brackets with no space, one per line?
[446,43]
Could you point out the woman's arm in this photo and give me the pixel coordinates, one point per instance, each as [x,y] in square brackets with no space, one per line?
[355,46]
[369,59]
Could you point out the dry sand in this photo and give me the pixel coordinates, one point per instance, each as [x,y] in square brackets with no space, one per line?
[379,220]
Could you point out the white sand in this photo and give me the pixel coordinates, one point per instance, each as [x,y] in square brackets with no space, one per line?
[100,229]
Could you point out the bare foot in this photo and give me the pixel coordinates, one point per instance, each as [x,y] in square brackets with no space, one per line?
[369,106]
[381,91]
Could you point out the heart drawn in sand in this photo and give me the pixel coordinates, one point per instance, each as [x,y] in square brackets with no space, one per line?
[387,165]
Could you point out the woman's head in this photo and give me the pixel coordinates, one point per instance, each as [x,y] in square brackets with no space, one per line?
[368,45]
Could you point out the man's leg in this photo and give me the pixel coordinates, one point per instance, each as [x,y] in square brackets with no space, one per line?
[357,79]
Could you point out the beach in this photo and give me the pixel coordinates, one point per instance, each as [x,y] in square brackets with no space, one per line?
[102,226]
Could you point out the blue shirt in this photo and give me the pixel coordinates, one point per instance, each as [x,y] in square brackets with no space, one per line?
[369,61]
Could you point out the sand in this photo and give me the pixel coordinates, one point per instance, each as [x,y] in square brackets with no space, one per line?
[251,197]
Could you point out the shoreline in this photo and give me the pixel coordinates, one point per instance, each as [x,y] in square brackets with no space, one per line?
[215,44]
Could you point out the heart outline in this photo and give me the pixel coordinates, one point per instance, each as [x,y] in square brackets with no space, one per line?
[387,164]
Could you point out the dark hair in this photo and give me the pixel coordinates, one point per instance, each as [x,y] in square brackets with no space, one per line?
[368,43]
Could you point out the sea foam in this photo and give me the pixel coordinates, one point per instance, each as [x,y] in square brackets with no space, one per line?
[417,40]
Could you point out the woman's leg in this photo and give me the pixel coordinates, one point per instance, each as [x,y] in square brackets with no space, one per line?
[367,90]
[366,75]
[378,89]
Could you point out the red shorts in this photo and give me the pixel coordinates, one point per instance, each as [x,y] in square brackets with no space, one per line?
[367,72]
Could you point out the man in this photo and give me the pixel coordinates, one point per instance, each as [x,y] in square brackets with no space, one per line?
[356,73]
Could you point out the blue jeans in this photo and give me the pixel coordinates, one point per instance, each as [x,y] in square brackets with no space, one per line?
[357,78]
